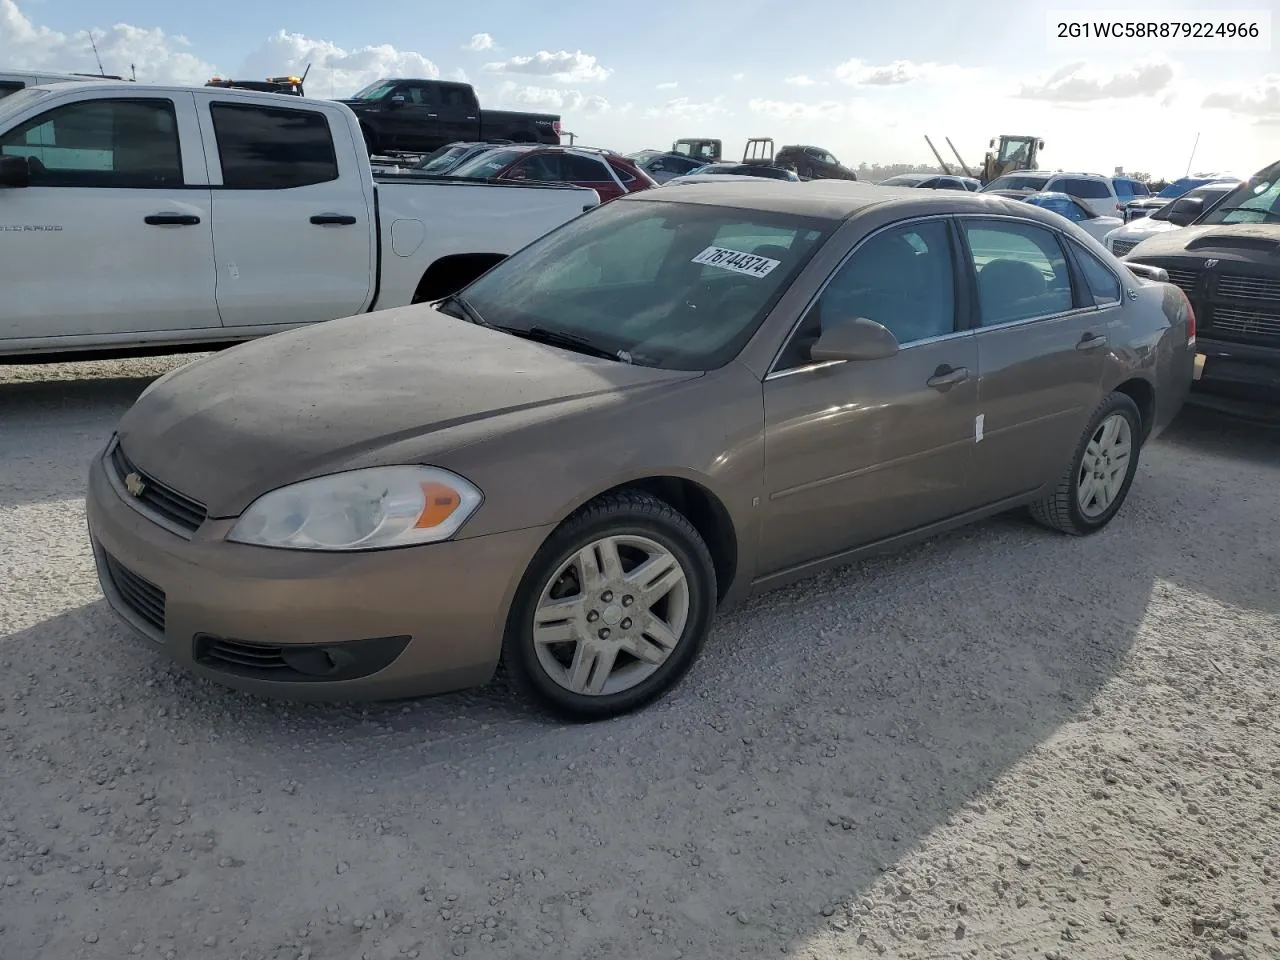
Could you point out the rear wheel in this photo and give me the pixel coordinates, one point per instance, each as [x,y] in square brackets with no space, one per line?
[612,610]
[1096,484]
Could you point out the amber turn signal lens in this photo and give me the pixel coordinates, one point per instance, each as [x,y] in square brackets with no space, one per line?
[440,502]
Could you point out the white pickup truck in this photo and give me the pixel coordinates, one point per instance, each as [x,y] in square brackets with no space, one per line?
[147,218]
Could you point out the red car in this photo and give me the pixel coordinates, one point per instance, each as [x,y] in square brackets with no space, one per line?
[609,174]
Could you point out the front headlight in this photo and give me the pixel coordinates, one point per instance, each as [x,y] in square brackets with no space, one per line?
[360,510]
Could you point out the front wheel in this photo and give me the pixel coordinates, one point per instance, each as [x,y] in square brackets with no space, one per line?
[612,610]
[1092,490]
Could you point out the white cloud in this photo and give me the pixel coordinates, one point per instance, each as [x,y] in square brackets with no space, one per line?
[1078,83]
[789,110]
[802,80]
[159,57]
[479,43]
[682,108]
[738,76]
[860,73]
[565,67]
[524,97]
[334,70]
[459,75]
[668,85]
[1260,101]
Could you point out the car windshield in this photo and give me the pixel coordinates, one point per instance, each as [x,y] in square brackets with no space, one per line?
[1257,200]
[1178,188]
[374,91]
[1211,194]
[681,286]
[487,164]
[1016,183]
[443,158]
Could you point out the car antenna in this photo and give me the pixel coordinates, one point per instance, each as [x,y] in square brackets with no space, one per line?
[101,72]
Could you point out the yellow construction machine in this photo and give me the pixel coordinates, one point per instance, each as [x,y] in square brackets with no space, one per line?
[1014,152]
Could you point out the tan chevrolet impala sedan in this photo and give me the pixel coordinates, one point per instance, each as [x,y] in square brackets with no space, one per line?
[667,404]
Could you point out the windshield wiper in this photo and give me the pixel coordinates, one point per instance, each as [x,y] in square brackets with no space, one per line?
[1265,213]
[568,341]
[469,312]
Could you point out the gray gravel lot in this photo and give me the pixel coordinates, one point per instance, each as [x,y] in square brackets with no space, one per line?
[1003,743]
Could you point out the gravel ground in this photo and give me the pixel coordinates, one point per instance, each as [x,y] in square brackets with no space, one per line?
[1003,743]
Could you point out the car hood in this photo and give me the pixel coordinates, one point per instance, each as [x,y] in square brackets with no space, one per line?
[1143,227]
[226,429]
[1256,242]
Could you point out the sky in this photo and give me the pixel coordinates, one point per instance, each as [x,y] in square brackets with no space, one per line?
[864,85]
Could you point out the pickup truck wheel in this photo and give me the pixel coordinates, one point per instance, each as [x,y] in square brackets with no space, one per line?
[612,610]
[1092,490]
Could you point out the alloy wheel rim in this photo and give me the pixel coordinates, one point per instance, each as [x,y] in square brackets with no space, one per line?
[611,615]
[1104,466]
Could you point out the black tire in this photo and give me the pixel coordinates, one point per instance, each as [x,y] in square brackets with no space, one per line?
[627,512]
[1060,509]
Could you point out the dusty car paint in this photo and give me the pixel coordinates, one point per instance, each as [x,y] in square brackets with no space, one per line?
[803,468]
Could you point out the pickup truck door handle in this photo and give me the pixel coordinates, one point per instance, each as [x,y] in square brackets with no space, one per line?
[1091,341]
[171,220]
[333,220]
[948,376]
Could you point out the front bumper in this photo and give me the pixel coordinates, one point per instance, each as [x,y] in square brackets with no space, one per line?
[1240,371]
[355,626]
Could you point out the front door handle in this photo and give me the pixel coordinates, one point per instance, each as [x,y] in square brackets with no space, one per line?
[333,219]
[948,376]
[1091,341]
[171,220]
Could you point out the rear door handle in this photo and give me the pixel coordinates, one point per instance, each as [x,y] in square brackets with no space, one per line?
[948,376]
[171,220]
[1091,341]
[333,219]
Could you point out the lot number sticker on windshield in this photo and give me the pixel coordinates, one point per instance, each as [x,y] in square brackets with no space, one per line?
[737,261]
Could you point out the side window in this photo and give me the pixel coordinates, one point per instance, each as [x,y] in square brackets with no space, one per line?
[272,147]
[901,278]
[1124,189]
[578,169]
[1102,282]
[1087,189]
[454,98]
[101,143]
[1022,272]
[540,166]
[930,184]
[415,93]
[623,174]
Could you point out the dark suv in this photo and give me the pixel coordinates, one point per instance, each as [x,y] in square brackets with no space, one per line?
[1228,263]
[812,163]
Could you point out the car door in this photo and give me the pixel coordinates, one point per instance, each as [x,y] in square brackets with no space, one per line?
[858,452]
[293,228]
[414,124]
[1042,348]
[457,112]
[113,235]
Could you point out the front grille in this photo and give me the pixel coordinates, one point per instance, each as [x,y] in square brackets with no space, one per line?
[141,596]
[1246,323]
[1121,247]
[1248,288]
[162,501]
[1183,279]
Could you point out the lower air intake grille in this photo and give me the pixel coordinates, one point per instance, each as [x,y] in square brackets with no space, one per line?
[141,596]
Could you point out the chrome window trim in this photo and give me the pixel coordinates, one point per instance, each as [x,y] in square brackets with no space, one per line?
[926,342]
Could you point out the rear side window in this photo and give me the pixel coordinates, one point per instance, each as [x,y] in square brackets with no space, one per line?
[622,173]
[101,143]
[1102,282]
[1079,187]
[1022,271]
[583,169]
[272,148]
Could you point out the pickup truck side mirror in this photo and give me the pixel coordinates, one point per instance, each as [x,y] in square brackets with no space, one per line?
[397,101]
[1185,210]
[855,338]
[14,172]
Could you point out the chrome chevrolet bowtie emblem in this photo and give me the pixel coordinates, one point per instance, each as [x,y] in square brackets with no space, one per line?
[134,484]
[1209,264]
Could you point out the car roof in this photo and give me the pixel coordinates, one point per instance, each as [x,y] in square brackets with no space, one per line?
[839,200]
